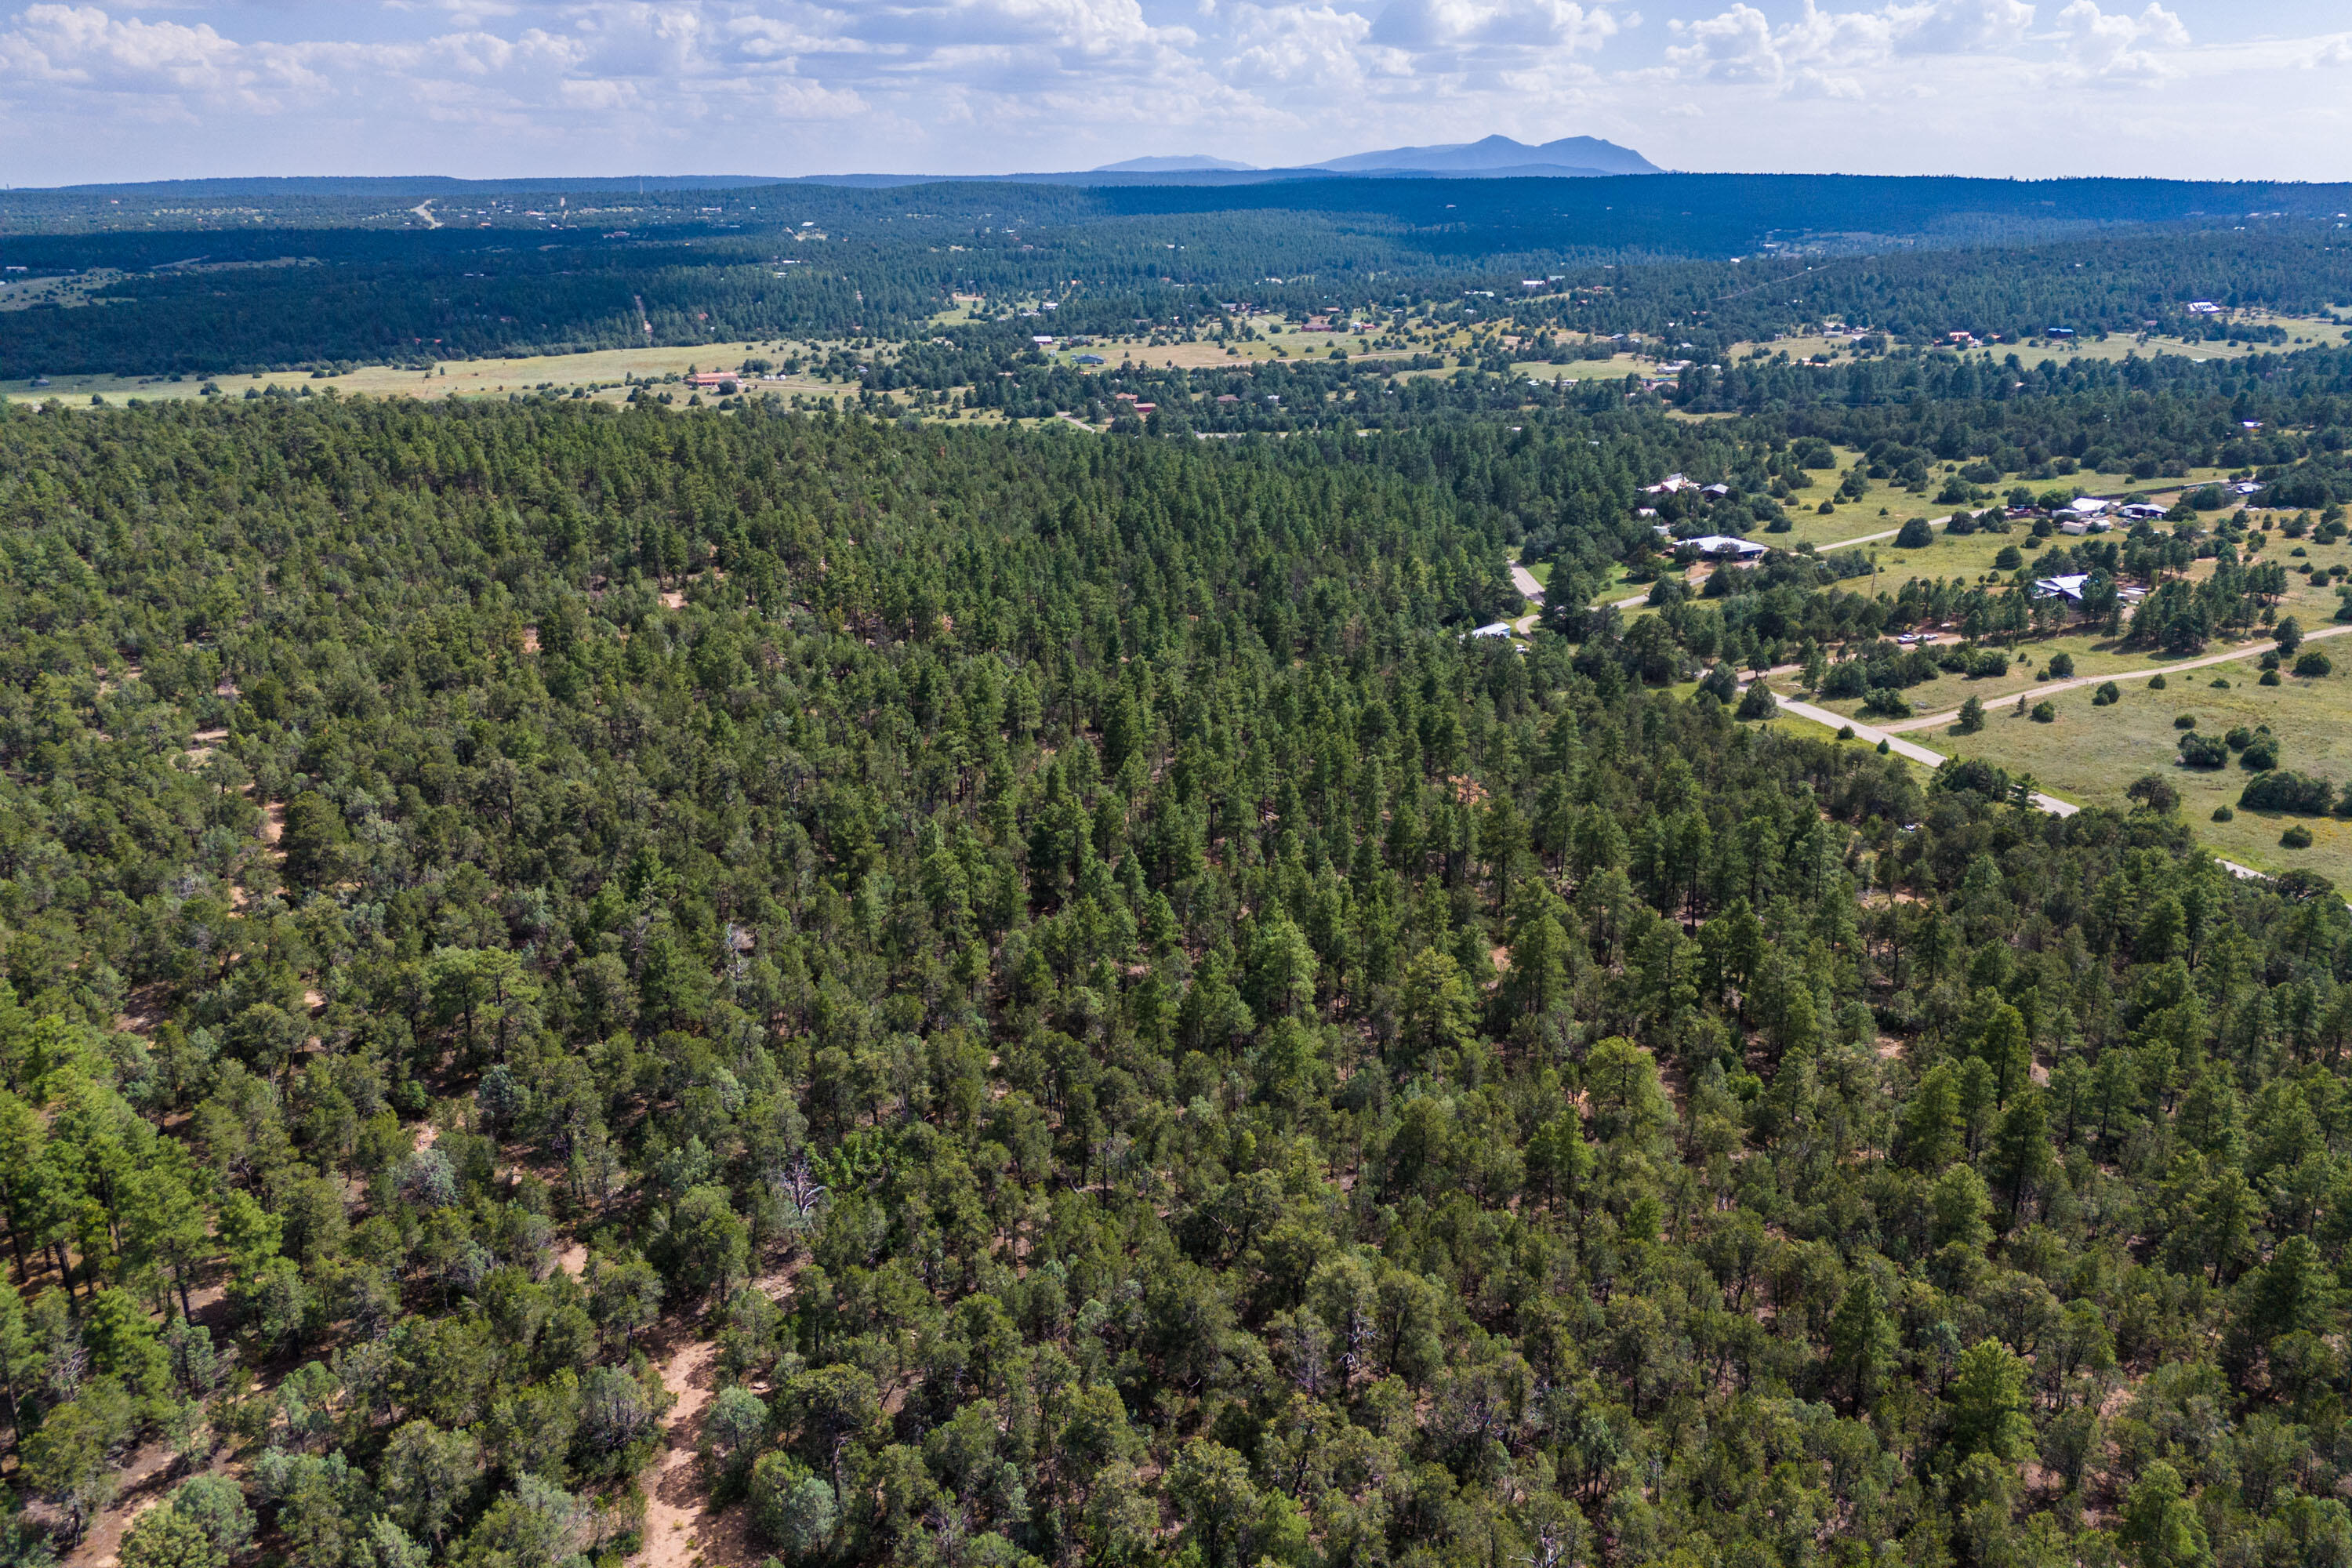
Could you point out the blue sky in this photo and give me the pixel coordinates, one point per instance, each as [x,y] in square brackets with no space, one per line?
[126,90]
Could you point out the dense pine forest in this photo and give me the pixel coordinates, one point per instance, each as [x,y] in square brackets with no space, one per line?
[296,275]
[979,996]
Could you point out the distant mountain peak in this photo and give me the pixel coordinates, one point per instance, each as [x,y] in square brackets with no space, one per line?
[1577,155]
[1176,164]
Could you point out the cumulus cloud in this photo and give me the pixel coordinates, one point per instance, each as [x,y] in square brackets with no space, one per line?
[509,86]
[1300,46]
[1961,26]
[1507,24]
[81,50]
[1827,51]
[1832,51]
[2120,47]
[1531,49]
[663,60]
[1737,46]
[1094,29]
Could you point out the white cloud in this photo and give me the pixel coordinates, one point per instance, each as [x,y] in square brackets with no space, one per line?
[164,66]
[1508,24]
[655,61]
[1963,26]
[110,89]
[1831,53]
[1283,46]
[1827,51]
[1096,28]
[2107,46]
[1737,46]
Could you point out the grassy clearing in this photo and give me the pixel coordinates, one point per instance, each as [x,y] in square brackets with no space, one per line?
[2308,598]
[2311,598]
[1846,526]
[2090,755]
[2093,656]
[64,290]
[1887,507]
[1616,367]
[1618,586]
[455,378]
[1970,557]
[2305,331]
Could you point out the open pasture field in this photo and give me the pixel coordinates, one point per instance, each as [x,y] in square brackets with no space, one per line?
[1616,367]
[2303,332]
[2095,658]
[2091,755]
[455,378]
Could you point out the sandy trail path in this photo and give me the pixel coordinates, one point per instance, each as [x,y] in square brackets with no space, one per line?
[681,1529]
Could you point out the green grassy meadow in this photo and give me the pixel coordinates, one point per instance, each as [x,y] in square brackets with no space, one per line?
[2090,755]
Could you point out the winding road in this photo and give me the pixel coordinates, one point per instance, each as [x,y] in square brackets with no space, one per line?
[1898,745]
[1921,755]
[2251,650]
[1892,736]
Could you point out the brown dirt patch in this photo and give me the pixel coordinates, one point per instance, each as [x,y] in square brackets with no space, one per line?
[681,1530]
[1467,790]
[145,1481]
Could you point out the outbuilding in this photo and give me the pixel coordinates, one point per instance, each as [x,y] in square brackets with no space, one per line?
[2068,587]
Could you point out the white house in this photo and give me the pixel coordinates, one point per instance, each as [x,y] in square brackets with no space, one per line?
[1499,629]
[1726,544]
[2068,587]
[2087,514]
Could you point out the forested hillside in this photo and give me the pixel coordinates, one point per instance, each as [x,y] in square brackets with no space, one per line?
[1044,972]
[1699,261]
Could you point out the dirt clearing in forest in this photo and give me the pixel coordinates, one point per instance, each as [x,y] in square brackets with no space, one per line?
[680,1528]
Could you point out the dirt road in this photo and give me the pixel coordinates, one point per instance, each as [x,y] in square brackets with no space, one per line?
[2252,651]
[1918,754]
